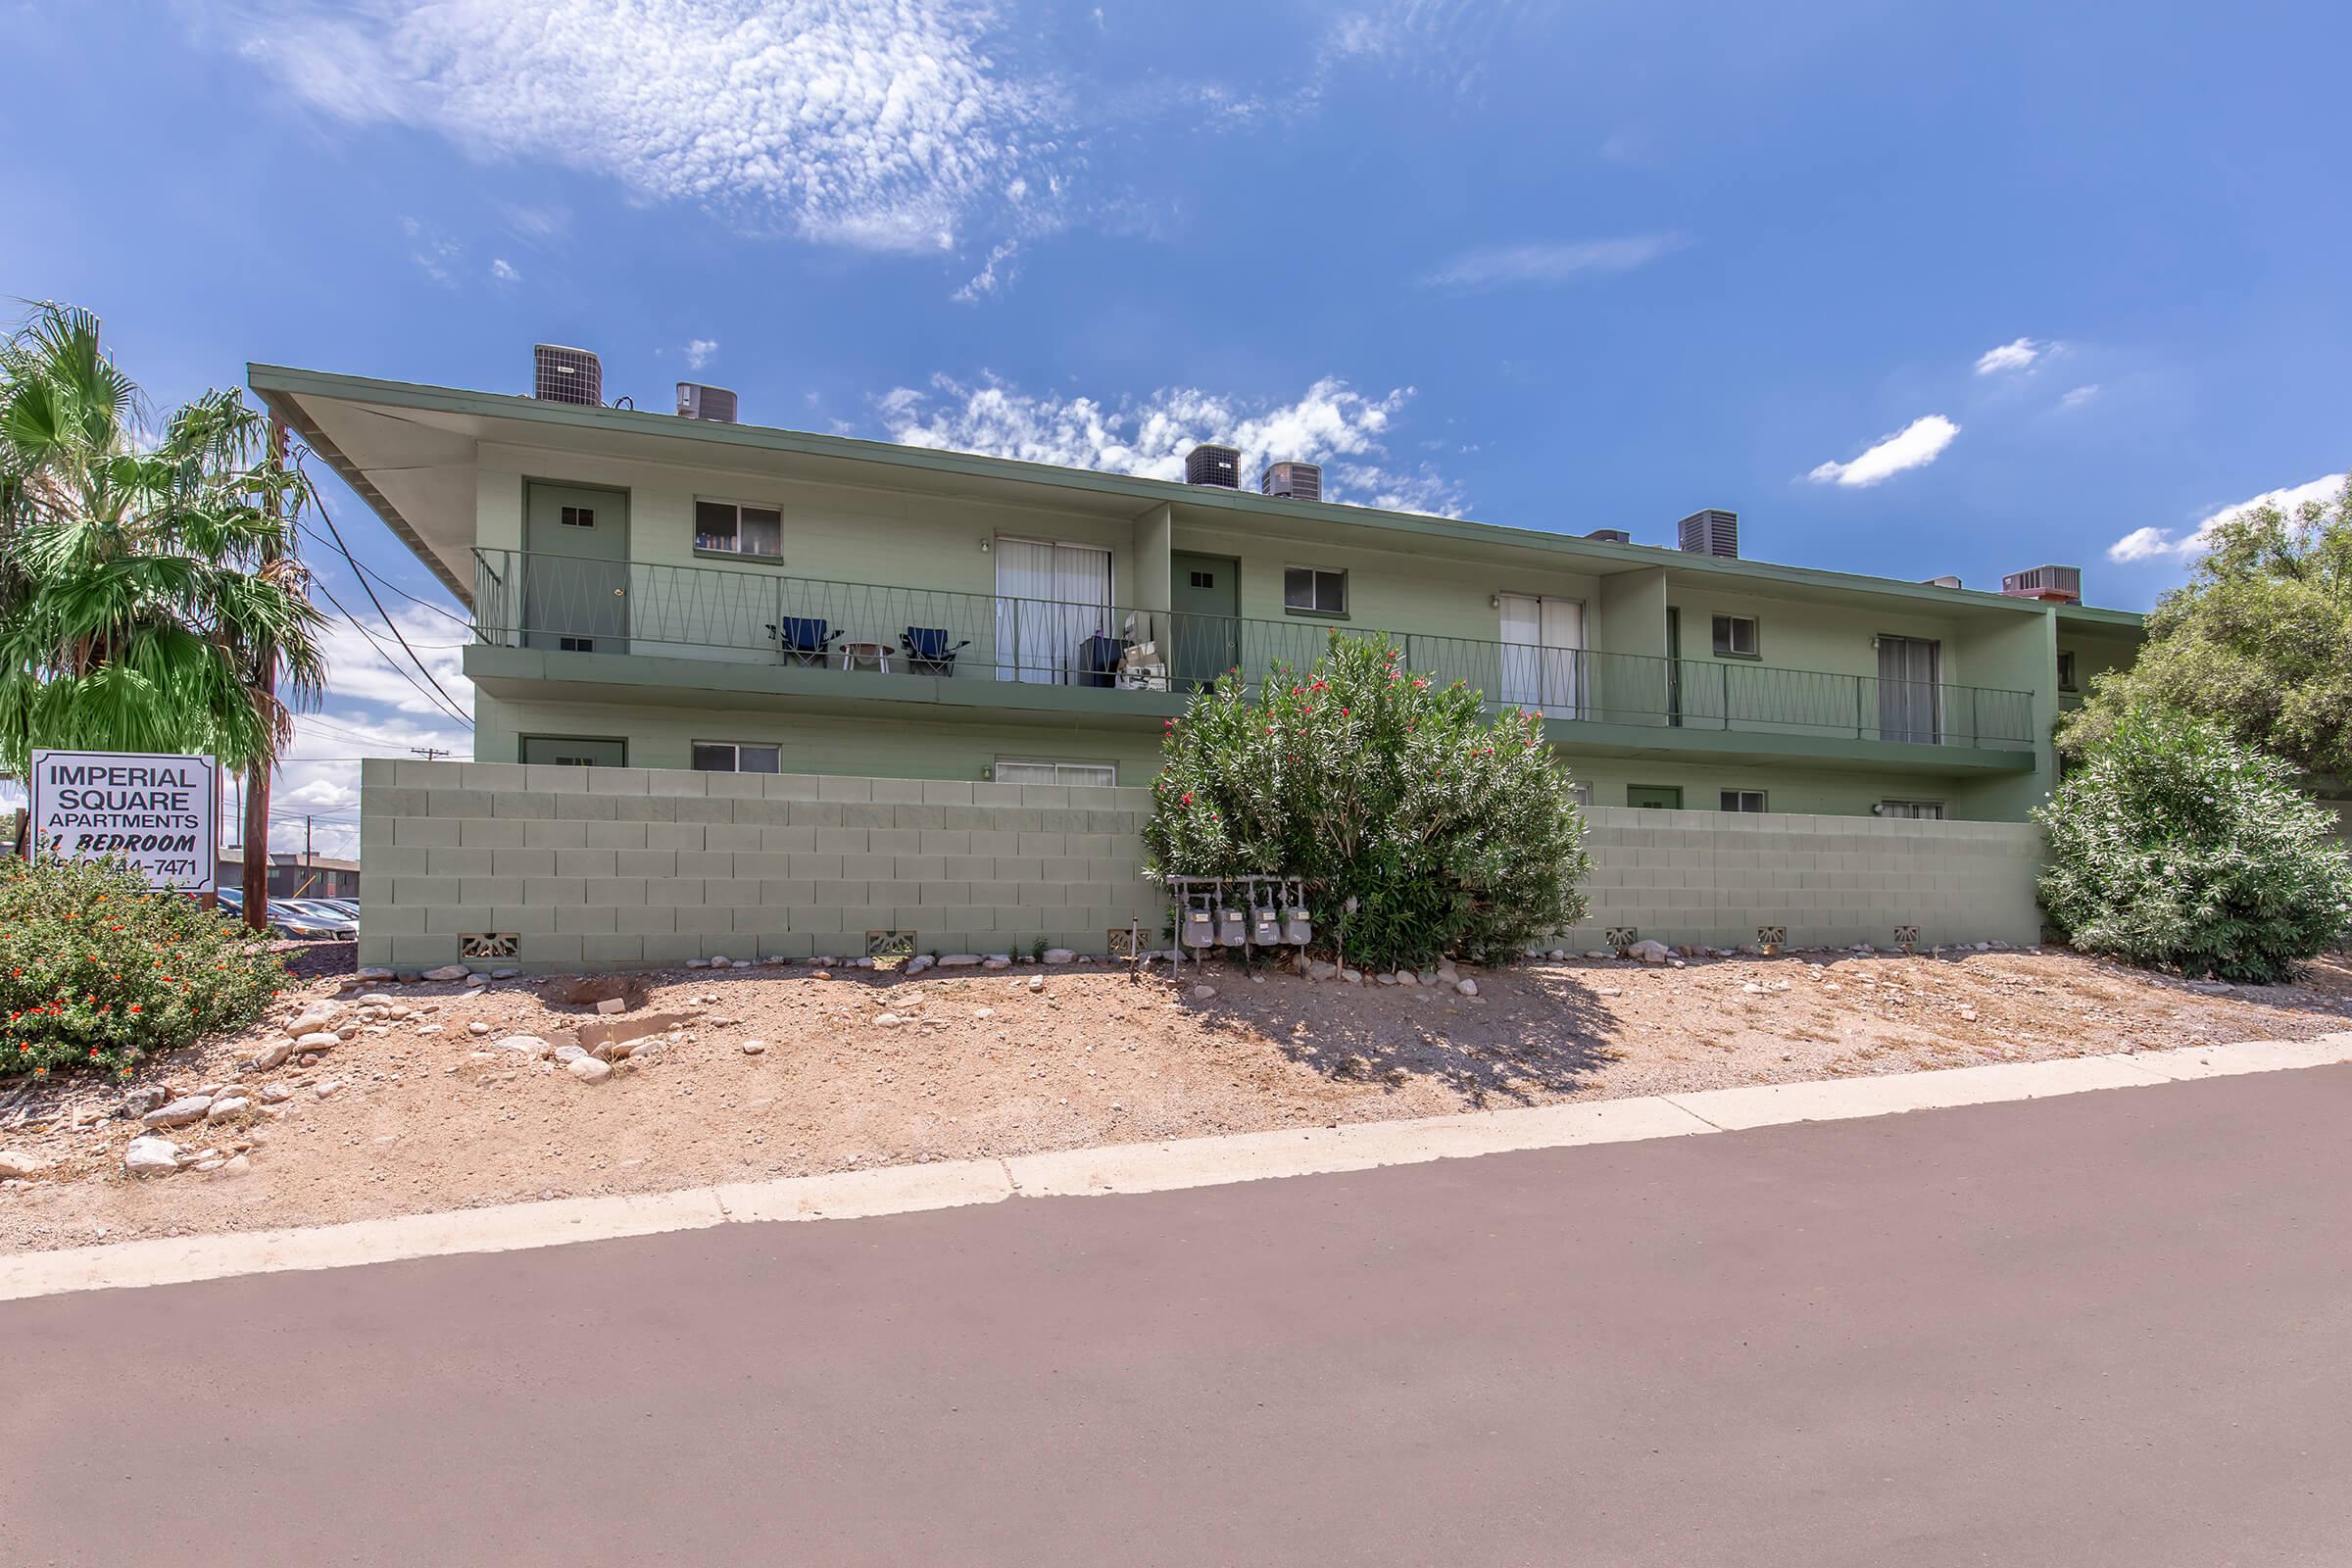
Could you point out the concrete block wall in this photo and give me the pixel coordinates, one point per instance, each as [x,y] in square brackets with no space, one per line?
[624,866]
[1714,877]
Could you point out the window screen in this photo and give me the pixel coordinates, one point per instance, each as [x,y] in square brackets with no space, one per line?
[1104,774]
[1314,589]
[728,756]
[1923,810]
[743,530]
[1735,636]
[1744,800]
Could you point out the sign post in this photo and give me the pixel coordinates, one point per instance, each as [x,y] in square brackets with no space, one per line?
[160,814]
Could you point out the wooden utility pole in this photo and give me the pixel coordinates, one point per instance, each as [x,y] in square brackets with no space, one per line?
[257,782]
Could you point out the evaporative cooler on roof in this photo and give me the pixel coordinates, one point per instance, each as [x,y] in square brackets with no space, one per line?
[1710,533]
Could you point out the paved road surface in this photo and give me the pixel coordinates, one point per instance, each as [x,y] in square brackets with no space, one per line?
[2109,1328]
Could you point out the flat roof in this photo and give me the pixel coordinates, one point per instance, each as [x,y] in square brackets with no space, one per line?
[296,396]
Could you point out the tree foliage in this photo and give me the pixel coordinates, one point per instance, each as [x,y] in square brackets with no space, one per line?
[97,972]
[2172,844]
[2259,641]
[1450,831]
[145,579]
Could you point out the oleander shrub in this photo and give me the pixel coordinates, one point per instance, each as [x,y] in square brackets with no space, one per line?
[2174,846]
[1453,832]
[96,972]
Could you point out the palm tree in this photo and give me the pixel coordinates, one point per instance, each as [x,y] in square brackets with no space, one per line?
[148,582]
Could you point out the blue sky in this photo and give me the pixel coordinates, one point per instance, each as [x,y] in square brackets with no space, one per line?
[1916,288]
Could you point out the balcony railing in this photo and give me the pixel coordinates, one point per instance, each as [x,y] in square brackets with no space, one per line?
[747,617]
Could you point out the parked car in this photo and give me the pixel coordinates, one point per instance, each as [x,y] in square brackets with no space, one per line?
[324,914]
[288,921]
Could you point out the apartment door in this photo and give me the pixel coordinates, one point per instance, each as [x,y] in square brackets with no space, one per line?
[1206,632]
[575,576]
[1674,667]
[1910,690]
[1544,655]
[1051,599]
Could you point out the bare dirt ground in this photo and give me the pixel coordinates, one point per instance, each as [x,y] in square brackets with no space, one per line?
[420,1114]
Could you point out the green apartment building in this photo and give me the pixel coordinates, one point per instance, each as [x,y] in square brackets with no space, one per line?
[663,591]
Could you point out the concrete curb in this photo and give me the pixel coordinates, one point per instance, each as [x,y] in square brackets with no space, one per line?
[1127,1168]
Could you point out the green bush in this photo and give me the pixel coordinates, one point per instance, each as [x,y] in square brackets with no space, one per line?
[2173,845]
[1452,832]
[97,972]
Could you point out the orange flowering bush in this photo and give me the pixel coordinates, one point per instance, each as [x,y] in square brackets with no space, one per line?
[1453,832]
[97,972]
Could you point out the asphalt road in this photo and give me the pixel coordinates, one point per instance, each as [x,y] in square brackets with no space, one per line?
[2106,1328]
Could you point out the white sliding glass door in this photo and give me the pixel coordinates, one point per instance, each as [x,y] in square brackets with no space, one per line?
[1051,598]
[1544,655]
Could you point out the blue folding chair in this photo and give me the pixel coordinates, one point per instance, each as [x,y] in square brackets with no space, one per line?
[805,637]
[928,651]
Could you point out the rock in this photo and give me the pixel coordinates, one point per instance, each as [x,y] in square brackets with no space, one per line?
[140,1101]
[318,1039]
[984,1013]
[228,1105]
[589,1070]
[722,961]
[275,1094]
[375,971]
[448,971]
[151,1156]
[504,974]
[610,1005]
[269,1057]
[918,963]
[236,1165]
[207,1166]
[477,1028]
[1317,969]
[1388,979]
[958,961]
[1468,988]
[1059,956]
[887,1021]
[376,998]
[1752,989]
[328,1088]
[569,1053]
[1204,992]
[755,1047]
[179,1112]
[997,960]
[1355,977]
[312,1020]
[697,964]
[1650,952]
[1968,1014]
[1556,954]
[528,1045]
[1598,953]
[17,1162]
[1037,983]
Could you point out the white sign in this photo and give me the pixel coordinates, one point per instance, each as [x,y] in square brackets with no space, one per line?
[159,813]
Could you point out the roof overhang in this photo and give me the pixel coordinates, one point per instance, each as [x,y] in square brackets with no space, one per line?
[412,452]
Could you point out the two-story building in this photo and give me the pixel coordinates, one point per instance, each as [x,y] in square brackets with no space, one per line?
[658,591]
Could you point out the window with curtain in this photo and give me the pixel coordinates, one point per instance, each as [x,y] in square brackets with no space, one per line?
[1031,771]
[1053,600]
[737,529]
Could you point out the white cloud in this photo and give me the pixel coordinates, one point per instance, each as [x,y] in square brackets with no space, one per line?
[996,276]
[2079,396]
[866,123]
[2152,544]
[1914,446]
[2016,356]
[503,270]
[365,667]
[435,254]
[1330,424]
[699,353]
[1499,266]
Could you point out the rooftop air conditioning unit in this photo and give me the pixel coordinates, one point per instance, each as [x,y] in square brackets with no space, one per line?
[567,375]
[2058,585]
[1213,465]
[1944,583]
[699,402]
[1611,536]
[1710,533]
[1301,481]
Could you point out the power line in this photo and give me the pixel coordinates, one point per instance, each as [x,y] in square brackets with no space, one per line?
[328,518]
[370,571]
[442,703]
